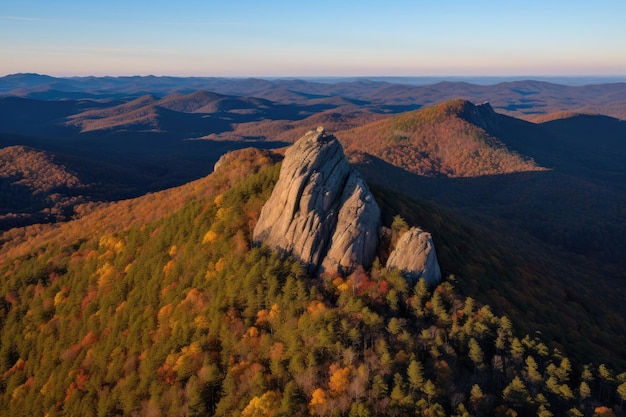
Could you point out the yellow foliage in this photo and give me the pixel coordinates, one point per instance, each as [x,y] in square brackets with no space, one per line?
[210,273]
[19,392]
[192,349]
[173,251]
[112,243]
[202,322]
[210,237]
[219,200]
[119,245]
[59,298]
[264,406]
[222,213]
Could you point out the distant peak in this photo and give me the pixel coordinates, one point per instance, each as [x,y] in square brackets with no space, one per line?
[455,107]
[486,106]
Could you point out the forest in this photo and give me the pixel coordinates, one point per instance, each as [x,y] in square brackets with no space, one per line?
[181,315]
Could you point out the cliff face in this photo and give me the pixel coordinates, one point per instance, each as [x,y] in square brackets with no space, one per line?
[321,209]
[414,255]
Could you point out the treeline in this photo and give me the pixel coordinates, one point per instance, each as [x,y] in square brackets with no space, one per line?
[181,316]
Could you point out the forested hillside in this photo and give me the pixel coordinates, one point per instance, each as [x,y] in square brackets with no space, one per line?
[34,188]
[442,140]
[175,313]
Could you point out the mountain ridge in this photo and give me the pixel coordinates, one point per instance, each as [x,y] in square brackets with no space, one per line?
[447,139]
[525,98]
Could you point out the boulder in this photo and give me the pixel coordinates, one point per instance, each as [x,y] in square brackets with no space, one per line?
[415,257]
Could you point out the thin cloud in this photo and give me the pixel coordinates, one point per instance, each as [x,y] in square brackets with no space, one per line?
[128,50]
[24,18]
[208,23]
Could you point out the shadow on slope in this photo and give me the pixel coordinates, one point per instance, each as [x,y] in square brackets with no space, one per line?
[499,257]
[121,165]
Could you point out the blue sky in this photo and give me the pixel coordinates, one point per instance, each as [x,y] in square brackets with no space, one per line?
[313,38]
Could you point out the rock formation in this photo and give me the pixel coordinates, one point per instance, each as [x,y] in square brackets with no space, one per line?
[414,255]
[321,209]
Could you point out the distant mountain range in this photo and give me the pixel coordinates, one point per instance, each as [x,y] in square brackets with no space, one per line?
[518,98]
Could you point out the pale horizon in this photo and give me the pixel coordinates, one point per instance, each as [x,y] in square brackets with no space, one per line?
[485,38]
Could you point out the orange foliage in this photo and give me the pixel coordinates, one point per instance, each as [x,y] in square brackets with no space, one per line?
[316,308]
[339,379]
[437,141]
[91,294]
[603,411]
[318,401]
[89,339]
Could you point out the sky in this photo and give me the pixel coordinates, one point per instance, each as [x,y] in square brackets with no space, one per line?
[271,38]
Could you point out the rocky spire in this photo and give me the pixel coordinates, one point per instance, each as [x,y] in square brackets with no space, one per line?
[321,209]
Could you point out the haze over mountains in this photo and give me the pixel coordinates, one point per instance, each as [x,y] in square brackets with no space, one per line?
[519,98]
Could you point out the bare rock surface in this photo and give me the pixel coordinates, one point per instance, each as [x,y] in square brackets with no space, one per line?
[414,255]
[321,209]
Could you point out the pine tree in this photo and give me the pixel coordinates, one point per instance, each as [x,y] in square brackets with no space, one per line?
[516,393]
[477,398]
[475,354]
[416,376]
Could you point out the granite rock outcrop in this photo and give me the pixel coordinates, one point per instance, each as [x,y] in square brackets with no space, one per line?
[321,209]
[415,257]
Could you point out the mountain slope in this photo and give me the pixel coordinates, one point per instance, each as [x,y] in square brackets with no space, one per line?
[34,188]
[176,314]
[446,139]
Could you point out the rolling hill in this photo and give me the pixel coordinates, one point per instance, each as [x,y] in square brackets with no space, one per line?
[524,98]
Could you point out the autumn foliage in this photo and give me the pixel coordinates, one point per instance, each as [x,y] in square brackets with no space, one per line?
[437,141]
[177,314]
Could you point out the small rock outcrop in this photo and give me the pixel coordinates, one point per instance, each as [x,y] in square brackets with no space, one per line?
[414,255]
[321,209]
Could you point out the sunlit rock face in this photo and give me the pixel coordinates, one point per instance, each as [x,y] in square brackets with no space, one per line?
[321,209]
[414,255]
